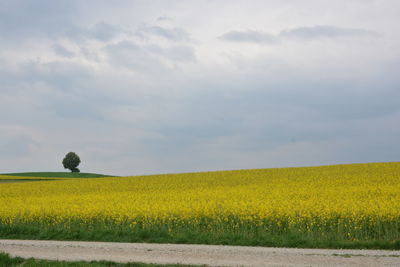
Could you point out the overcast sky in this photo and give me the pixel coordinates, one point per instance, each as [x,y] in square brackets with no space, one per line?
[146,87]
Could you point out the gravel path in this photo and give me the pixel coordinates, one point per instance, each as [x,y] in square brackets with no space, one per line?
[197,254]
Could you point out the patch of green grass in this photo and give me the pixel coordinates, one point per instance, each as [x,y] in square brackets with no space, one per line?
[361,255]
[7,261]
[59,174]
[123,232]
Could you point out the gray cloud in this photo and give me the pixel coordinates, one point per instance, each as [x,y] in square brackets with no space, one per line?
[15,146]
[130,55]
[319,31]
[306,33]
[57,74]
[164,18]
[249,36]
[277,123]
[62,51]
[147,57]
[31,19]
[48,19]
[89,54]
[103,31]
[175,34]
[180,53]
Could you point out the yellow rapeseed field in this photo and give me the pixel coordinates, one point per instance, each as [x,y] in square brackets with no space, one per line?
[354,198]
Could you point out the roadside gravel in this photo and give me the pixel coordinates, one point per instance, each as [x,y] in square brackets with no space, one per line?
[197,254]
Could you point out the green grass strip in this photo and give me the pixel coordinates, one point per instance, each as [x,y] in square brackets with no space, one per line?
[8,261]
[58,174]
[111,232]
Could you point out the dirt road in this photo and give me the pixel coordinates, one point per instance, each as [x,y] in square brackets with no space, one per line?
[197,254]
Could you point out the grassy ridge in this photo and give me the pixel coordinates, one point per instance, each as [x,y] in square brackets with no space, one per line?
[58,174]
[7,261]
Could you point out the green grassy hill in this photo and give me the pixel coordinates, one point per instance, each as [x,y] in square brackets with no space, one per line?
[58,174]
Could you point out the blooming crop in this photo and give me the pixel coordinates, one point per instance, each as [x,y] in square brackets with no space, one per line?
[358,198]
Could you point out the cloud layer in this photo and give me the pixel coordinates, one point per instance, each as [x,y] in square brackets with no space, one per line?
[143,87]
[305,33]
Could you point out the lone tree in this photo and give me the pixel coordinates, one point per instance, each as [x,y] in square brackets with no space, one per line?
[71,162]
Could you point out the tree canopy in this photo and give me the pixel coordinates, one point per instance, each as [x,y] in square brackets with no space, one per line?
[71,162]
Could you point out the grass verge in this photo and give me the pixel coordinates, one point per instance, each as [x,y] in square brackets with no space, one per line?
[8,261]
[112,232]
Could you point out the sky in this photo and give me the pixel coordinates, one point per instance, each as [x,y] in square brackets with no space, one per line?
[148,87]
